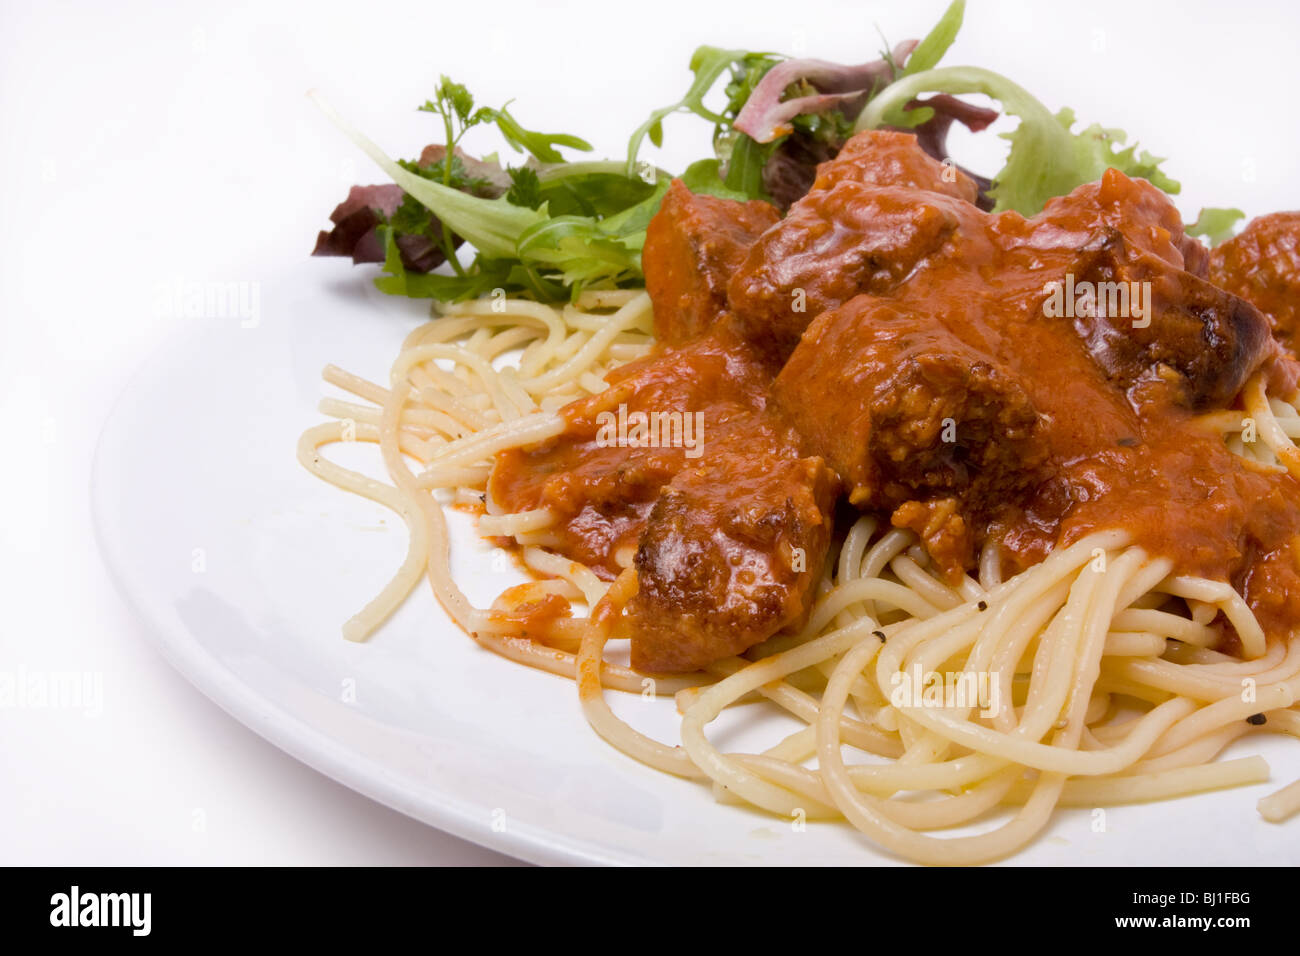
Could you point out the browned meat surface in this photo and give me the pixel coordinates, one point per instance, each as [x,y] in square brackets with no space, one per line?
[1262,265]
[1048,412]
[906,411]
[930,375]
[603,490]
[833,245]
[1147,321]
[731,554]
[729,536]
[874,213]
[1145,216]
[918,412]
[886,158]
[692,247]
[1196,257]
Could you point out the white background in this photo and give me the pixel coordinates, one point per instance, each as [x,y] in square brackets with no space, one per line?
[147,144]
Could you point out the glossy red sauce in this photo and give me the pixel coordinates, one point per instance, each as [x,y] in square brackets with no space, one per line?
[1116,442]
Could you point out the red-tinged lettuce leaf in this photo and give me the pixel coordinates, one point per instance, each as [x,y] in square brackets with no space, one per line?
[802,111]
[359,218]
[358,221]
[766,117]
[932,135]
[355,221]
[1047,158]
[792,167]
[481,178]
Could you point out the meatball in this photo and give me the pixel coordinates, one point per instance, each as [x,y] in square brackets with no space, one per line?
[1262,265]
[693,245]
[835,244]
[889,158]
[1147,320]
[902,409]
[731,554]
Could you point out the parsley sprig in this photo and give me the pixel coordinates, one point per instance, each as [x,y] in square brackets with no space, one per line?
[455,104]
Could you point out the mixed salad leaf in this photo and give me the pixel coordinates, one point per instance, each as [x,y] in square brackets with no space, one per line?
[550,227]
[1216,225]
[1046,158]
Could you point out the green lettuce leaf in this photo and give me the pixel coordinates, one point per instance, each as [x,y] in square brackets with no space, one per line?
[540,145]
[930,50]
[492,226]
[708,63]
[1216,225]
[1047,158]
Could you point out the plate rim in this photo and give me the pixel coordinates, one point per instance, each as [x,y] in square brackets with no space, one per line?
[433,806]
[431,801]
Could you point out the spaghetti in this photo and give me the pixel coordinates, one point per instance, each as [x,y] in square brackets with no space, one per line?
[1087,680]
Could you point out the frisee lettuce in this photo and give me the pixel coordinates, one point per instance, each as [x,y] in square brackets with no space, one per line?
[1046,159]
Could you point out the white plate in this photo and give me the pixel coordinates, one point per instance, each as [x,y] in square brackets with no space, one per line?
[244,565]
